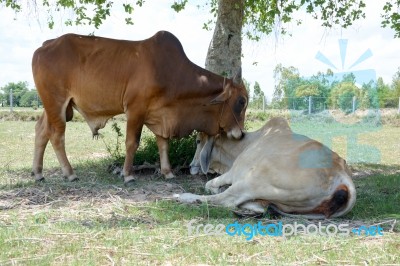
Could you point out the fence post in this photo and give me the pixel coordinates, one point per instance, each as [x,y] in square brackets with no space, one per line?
[398,110]
[309,104]
[263,103]
[354,104]
[11,101]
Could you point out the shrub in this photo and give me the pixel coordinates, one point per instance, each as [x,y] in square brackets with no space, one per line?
[181,151]
[116,151]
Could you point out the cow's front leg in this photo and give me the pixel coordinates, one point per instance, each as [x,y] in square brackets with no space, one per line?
[237,194]
[214,185]
[162,144]
[133,133]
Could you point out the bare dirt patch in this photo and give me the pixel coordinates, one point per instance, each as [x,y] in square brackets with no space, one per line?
[147,187]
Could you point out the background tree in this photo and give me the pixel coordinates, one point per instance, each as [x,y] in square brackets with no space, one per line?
[342,95]
[225,50]
[351,78]
[234,19]
[258,96]
[29,99]
[324,83]
[369,96]
[391,16]
[18,90]
[385,94]
[287,79]
[257,17]
[396,84]
[2,99]
[307,89]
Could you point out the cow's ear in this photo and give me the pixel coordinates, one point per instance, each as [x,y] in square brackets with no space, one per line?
[205,155]
[223,96]
[237,78]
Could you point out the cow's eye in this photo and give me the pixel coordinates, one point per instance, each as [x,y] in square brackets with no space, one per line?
[197,141]
[242,102]
[240,105]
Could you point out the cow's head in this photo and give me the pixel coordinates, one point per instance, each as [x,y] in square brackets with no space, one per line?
[233,101]
[210,157]
[202,140]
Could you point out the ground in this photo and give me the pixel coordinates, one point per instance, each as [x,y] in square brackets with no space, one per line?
[99,221]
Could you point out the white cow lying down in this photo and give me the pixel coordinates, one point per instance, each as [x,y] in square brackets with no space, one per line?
[274,166]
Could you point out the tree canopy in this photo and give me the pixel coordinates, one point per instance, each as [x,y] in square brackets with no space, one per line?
[260,16]
[21,94]
[328,91]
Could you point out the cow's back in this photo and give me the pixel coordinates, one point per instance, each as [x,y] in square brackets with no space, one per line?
[279,152]
[86,60]
[102,77]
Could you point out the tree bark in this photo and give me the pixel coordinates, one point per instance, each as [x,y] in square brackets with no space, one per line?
[225,50]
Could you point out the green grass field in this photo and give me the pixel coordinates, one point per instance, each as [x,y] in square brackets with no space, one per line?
[99,221]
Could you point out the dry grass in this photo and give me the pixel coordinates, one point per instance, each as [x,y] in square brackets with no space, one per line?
[98,221]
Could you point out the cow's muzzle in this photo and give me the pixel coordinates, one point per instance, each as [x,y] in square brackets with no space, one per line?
[235,133]
[194,170]
[194,167]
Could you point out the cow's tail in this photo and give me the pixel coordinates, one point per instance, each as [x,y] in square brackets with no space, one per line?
[341,202]
[343,199]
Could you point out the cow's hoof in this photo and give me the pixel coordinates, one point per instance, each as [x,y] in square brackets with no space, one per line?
[72,178]
[40,179]
[211,189]
[243,214]
[170,175]
[129,181]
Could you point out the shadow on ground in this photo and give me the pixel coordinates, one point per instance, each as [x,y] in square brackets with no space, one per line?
[96,181]
[378,188]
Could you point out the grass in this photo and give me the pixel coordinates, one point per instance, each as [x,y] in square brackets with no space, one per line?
[98,221]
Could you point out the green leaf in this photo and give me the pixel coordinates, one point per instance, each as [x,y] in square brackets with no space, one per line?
[128,8]
[179,6]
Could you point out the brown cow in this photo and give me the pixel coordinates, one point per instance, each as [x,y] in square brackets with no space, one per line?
[274,166]
[151,81]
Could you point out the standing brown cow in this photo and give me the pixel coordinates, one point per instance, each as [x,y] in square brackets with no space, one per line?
[151,81]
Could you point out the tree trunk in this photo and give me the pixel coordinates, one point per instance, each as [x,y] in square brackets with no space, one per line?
[225,50]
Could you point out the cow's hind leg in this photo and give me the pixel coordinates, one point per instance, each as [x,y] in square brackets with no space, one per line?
[51,126]
[57,139]
[57,116]
[41,140]
[133,132]
[162,144]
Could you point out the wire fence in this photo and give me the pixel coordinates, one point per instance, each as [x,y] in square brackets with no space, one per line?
[312,104]
[308,105]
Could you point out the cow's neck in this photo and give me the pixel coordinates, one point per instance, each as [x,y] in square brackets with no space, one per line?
[229,149]
[199,83]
